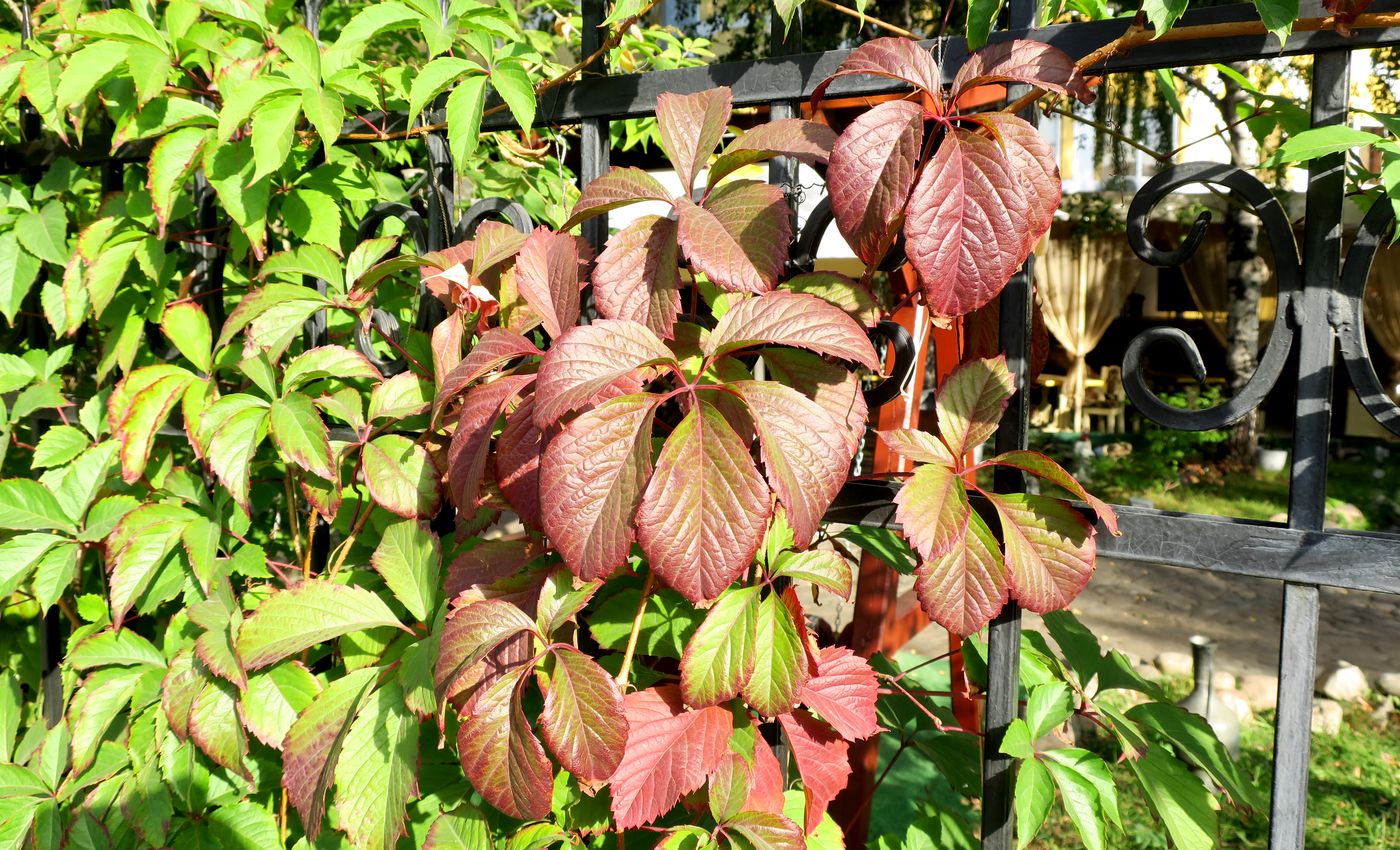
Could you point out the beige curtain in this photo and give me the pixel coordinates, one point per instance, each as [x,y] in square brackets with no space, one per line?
[1206,274]
[1083,283]
[1383,307]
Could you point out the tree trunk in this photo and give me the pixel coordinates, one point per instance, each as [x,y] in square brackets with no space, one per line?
[1246,273]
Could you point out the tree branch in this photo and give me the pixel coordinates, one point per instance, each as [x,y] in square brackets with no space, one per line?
[1215,100]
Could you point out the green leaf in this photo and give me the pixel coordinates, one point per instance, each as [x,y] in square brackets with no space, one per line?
[59,445]
[300,435]
[1034,793]
[400,476]
[513,85]
[312,215]
[403,395]
[275,308]
[18,268]
[464,108]
[721,656]
[244,826]
[981,17]
[1047,707]
[173,160]
[292,620]
[884,544]
[87,69]
[1163,13]
[433,78]
[667,622]
[1093,770]
[138,548]
[1182,802]
[19,554]
[111,647]
[11,708]
[822,568]
[1278,16]
[1018,742]
[327,361]
[234,427]
[104,695]
[27,505]
[409,557]
[274,699]
[780,668]
[188,328]
[1322,141]
[463,828]
[274,129]
[1197,742]
[41,233]
[1081,799]
[55,573]
[372,20]
[377,773]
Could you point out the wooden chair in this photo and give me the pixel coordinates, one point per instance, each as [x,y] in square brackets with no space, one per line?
[1112,406]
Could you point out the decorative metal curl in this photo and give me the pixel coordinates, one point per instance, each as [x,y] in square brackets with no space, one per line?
[1348,314]
[488,208]
[1288,268]
[803,256]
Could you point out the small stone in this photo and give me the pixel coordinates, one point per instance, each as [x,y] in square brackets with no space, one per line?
[1389,683]
[1346,683]
[1326,717]
[1260,690]
[1381,716]
[1345,515]
[1236,702]
[1279,517]
[1173,663]
[1223,680]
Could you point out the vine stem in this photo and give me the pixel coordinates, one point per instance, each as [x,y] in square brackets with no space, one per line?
[1137,35]
[614,38]
[626,669]
[888,27]
[349,541]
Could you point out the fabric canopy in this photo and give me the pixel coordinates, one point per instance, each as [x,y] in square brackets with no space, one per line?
[1383,308]
[1083,283]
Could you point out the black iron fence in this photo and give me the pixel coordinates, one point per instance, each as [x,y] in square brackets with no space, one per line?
[1319,309]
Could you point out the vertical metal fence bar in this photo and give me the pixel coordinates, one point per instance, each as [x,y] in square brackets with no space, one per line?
[1322,248]
[782,171]
[1004,633]
[594,152]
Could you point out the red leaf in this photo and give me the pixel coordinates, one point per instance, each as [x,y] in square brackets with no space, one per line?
[690,127]
[488,562]
[586,359]
[670,752]
[1346,12]
[1034,63]
[549,272]
[971,401]
[872,170]
[496,348]
[765,781]
[806,141]
[739,238]
[470,634]
[964,233]
[583,720]
[1034,163]
[844,693]
[591,481]
[804,456]
[518,452]
[932,507]
[965,587]
[706,508]
[618,188]
[898,58]
[1041,466]
[917,446]
[792,319]
[467,453]
[821,760]
[637,276]
[1049,549]
[830,385]
[500,753]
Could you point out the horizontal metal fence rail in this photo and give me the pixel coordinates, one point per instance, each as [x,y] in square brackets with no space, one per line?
[1320,310]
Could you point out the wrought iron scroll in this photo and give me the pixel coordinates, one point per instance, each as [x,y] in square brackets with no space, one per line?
[1248,189]
[1348,317]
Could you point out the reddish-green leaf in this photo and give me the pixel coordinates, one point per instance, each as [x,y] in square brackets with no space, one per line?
[472,632]
[705,510]
[932,507]
[792,319]
[821,760]
[830,385]
[780,668]
[670,752]
[173,159]
[138,548]
[468,451]
[720,657]
[327,361]
[970,403]
[1034,63]
[377,772]
[729,787]
[137,409]
[313,744]
[898,58]
[500,753]
[689,127]
[496,348]
[618,188]
[300,435]
[917,446]
[965,586]
[583,720]
[401,476]
[591,482]
[872,170]
[965,229]
[766,831]
[637,276]
[839,291]
[1044,468]
[585,360]
[820,567]
[291,620]
[804,456]
[739,237]
[548,272]
[1049,549]
[215,726]
[806,141]
[844,692]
